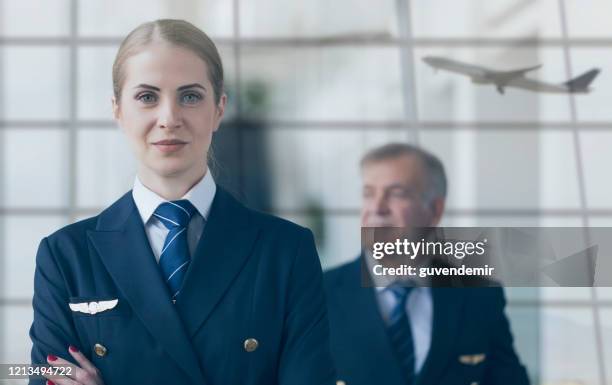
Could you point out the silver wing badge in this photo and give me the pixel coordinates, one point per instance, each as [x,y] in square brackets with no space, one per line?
[93,307]
[472,359]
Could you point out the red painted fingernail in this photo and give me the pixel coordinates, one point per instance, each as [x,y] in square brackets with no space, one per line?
[51,357]
[73,349]
[49,382]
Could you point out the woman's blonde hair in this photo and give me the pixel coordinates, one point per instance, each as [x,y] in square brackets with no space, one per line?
[178,32]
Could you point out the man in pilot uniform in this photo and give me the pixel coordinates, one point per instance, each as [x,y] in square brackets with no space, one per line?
[419,335]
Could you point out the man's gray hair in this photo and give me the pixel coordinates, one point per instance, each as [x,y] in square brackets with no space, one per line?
[433,166]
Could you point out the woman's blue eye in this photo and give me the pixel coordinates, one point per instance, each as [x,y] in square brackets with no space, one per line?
[147,98]
[191,98]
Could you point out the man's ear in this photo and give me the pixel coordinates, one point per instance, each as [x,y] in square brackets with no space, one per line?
[437,209]
[220,110]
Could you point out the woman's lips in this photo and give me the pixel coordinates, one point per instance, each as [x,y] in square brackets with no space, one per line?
[167,146]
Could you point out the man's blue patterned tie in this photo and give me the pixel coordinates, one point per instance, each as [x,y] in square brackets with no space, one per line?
[400,333]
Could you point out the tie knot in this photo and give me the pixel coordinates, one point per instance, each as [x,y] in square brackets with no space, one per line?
[175,213]
[400,293]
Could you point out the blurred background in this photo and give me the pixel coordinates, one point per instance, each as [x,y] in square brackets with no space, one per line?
[312,85]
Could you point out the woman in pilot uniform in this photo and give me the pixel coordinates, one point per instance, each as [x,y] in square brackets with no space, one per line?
[177,282]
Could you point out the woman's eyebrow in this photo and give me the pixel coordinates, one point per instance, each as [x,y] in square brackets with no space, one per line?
[150,87]
[198,85]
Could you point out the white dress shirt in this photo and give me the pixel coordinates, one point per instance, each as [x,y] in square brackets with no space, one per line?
[200,195]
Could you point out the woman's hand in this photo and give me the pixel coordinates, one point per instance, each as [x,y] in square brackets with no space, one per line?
[87,374]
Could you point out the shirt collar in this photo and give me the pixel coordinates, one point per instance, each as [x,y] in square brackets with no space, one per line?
[200,195]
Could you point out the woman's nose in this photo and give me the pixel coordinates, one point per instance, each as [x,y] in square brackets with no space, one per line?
[169,115]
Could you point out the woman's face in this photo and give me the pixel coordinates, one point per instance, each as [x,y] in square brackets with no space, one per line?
[167,110]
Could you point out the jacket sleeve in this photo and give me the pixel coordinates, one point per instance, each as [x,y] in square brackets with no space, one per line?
[504,366]
[52,329]
[306,356]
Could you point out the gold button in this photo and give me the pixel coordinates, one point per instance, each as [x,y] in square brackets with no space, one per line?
[340,382]
[100,350]
[250,344]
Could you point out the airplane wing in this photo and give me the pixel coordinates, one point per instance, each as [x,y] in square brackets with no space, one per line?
[456,66]
[508,75]
[502,78]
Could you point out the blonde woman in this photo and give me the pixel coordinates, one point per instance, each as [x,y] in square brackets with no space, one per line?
[177,282]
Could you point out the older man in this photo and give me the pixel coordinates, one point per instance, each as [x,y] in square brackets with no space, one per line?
[422,335]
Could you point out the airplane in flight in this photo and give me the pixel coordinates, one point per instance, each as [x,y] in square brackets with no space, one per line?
[514,78]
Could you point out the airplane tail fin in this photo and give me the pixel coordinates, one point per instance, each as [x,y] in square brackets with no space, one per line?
[581,83]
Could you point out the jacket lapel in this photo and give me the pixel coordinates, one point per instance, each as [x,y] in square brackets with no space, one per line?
[121,242]
[447,306]
[221,253]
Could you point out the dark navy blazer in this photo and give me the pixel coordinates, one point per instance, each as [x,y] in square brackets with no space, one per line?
[252,276]
[467,324]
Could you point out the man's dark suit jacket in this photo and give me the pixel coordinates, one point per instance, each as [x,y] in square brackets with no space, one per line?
[252,276]
[471,339]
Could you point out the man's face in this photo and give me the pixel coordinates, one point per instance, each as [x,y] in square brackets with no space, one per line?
[393,194]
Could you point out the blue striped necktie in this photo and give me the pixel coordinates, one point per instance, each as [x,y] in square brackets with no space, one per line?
[174,258]
[400,333]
